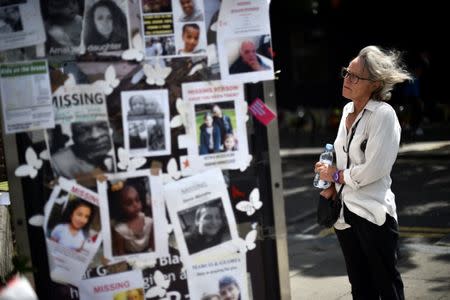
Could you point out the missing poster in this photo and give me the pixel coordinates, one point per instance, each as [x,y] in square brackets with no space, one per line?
[133,216]
[173,28]
[121,286]
[80,145]
[201,213]
[217,129]
[145,119]
[222,276]
[20,24]
[72,230]
[29,108]
[244,41]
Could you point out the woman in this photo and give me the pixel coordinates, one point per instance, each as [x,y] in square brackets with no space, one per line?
[106,27]
[210,229]
[367,228]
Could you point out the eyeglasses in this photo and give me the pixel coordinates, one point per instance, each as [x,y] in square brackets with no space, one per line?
[345,73]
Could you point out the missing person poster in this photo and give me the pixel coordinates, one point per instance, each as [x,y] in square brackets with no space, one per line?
[26,96]
[72,230]
[80,145]
[244,41]
[20,24]
[173,28]
[222,276]
[217,130]
[201,214]
[133,216]
[146,124]
[121,286]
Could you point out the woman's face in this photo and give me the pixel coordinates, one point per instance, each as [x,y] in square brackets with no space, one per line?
[362,89]
[210,221]
[80,217]
[130,202]
[103,21]
[208,121]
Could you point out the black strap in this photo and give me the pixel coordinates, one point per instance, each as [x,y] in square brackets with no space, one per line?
[348,150]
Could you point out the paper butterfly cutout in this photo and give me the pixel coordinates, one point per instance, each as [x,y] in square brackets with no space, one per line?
[142,264]
[195,68]
[69,84]
[156,74]
[36,220]
[248,243]
[125,163]
[160,289]
[252,205]
[33,164]
[172,171]
[137,52]
[179,119]
[110,82]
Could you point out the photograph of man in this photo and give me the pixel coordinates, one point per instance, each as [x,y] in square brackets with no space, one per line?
[229,288]
[248,60]
[105,27]
[63,24]
[190,11]
[10,20]
[209,228]
[222,120]
[89,151]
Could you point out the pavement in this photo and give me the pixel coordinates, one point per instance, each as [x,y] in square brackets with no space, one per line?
[317,269]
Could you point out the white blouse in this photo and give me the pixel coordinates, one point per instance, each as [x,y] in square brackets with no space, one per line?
[367,191]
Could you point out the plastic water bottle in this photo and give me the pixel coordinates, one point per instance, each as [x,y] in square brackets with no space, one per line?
[325,157]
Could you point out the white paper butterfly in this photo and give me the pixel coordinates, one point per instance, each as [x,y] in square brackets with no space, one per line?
[160,289]
[137,52]
[125,163]
[180,119]
[110,82]
[142,264]
[249,243]
[156,74]
[252,205]
[36,220]
[195,68]
[69,84]
[33,164]
[172,171]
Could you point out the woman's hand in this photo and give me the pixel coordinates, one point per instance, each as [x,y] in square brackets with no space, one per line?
[329,193]
[326,171]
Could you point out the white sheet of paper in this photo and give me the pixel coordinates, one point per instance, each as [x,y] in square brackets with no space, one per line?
[28,108]
[24,26]
[243,31]
[68,262]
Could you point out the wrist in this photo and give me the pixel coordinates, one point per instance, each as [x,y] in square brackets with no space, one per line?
[335,176]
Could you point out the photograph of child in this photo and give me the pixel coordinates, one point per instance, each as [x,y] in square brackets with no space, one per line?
[134,294]
[130,212]
[190,11]
[204,226]
[192,39]
[72,226]
[216,123]
[145,119]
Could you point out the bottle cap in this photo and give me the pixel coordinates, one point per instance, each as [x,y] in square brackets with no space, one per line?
[329,147]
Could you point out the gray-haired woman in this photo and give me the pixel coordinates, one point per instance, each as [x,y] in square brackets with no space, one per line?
[367,228]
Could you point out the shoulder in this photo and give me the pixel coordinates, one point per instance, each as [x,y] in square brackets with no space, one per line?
[382,109]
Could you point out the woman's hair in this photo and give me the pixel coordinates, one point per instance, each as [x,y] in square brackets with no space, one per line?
[70,208]
[119,33]
[384,66]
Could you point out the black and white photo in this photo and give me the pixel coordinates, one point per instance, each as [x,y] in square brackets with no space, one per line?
[204,226]
[145,117]
[10,19]
[133,215]
[106,26]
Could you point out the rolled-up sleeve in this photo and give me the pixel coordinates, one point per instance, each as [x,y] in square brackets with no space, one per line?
[381,150]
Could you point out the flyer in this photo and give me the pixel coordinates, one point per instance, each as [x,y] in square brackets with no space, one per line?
[217,130]
[80,145]
[201,214]
[146,127]
[223,276]
[29,108]
[20,24]
[121,286]
[173,28]
[72,230]
[133,216]
[244,41]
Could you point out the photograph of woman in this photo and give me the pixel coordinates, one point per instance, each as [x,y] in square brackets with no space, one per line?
[209,228]
[105,27]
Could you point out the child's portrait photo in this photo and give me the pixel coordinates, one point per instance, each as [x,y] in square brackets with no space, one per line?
[188,10]
[190,39]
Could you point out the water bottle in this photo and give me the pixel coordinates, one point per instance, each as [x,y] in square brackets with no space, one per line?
[325,157]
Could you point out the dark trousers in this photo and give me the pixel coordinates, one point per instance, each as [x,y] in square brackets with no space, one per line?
[370,253]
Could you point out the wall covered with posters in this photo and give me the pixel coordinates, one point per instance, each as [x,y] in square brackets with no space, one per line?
[142,146]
